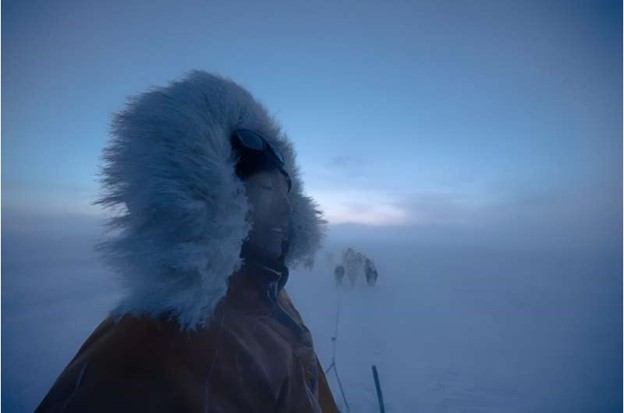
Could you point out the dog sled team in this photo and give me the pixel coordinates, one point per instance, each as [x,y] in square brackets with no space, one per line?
[355,265]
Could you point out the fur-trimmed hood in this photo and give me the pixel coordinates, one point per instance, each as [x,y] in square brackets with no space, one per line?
[181,214]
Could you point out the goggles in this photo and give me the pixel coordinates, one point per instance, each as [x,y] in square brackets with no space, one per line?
[250,140]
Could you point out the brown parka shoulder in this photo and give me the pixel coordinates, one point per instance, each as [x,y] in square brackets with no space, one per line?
[247,359]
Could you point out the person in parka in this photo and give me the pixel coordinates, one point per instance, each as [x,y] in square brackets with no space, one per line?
[210,214]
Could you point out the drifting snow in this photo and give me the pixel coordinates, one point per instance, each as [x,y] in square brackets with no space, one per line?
[450,329]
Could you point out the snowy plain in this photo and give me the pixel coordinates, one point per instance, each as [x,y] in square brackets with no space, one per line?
[451,328]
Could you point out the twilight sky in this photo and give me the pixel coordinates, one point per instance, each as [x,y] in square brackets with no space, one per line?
[485,117]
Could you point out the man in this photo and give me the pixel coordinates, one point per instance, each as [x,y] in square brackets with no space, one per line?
[371,272]
[212,211]
[339,274]
[349,258]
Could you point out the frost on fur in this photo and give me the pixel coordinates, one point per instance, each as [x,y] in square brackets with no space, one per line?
[181,211]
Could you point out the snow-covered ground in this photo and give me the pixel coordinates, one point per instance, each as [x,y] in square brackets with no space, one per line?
[460,330]
[450,329]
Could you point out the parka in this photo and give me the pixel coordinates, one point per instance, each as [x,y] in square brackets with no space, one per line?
[255,356]
[198,329]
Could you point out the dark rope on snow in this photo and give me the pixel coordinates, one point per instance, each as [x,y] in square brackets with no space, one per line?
[333,363]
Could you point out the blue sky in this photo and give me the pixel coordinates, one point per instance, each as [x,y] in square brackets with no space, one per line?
[489,115]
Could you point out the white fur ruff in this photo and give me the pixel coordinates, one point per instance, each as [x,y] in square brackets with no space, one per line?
[181,211]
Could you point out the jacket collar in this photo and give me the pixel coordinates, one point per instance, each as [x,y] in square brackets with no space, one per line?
[256,288]
[258,281]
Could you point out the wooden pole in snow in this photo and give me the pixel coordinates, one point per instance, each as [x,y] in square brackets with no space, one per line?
[378,388]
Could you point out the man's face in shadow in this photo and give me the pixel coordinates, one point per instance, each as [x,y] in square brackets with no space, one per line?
[267,193]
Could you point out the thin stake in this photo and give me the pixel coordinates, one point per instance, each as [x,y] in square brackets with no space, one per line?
[378,387]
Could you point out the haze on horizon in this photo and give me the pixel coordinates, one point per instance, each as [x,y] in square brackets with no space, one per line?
[496,117]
